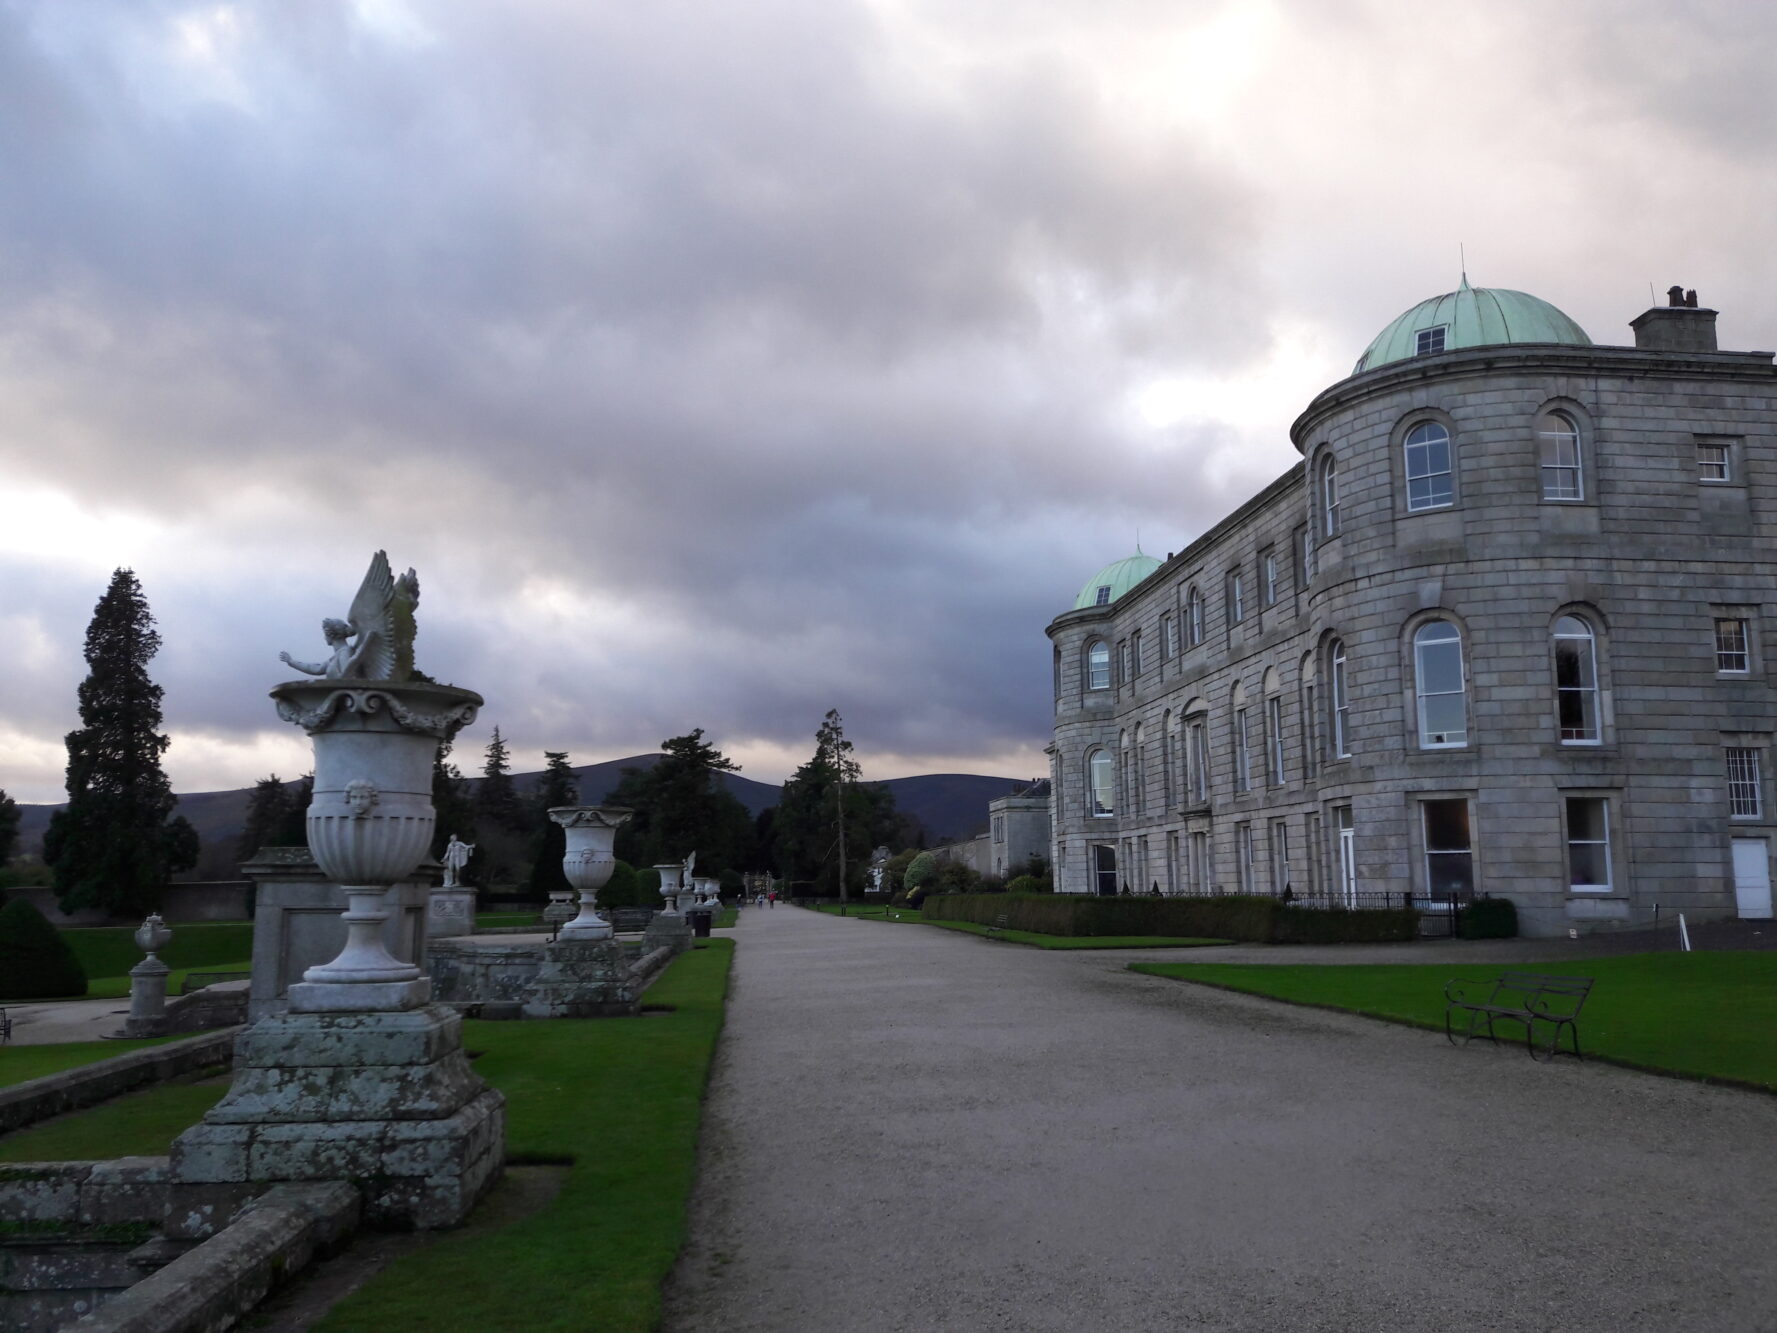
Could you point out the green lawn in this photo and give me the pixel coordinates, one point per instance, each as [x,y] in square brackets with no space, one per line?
[622,1099]
[484,920]
[136,1124]
[1030,937]
[1702,1015]
[111,951]
[19,1063]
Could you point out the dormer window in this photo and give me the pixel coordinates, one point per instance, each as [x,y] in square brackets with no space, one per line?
[1430,342]
[1104,595]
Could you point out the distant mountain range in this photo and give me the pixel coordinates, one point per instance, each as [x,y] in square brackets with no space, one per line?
[948,806]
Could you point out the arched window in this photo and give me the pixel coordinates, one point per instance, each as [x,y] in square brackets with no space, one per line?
[1438,682]
[1101,782]
[1098,665]
[1329,496]
[1429,484]
[1576,681]
[1558,451]
[1193,617]
[1338,702]
[1167,794]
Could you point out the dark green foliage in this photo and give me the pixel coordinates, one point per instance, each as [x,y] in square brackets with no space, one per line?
[497,804]
[276,814]
[623,889]
[111,951]
[681,806]
[1258,919]
[647,890]
[1488,919]
[114,845]
[732,883]
[955,877]
[920,872]
[1026,884]
[556,787]
[820,796]
[35,961]
[9,827]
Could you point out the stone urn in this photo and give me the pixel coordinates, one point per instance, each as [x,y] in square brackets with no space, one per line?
[588,861]
[672,878]
[152,936]
[370,820]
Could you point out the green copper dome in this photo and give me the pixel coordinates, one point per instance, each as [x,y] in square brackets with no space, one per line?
[1470,317]
[1114,580]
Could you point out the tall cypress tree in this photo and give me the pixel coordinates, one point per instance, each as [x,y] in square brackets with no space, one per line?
[496,799]
[9,827]
[114,846]
[557,786]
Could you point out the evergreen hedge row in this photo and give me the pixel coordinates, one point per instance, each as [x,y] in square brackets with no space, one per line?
[1232,917]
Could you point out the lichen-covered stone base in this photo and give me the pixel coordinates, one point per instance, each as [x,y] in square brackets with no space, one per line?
[584,979]
[386,1100]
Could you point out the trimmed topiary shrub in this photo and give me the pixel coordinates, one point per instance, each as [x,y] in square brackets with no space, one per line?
[621,890]
[1488,919]
[920,872]
[35,961]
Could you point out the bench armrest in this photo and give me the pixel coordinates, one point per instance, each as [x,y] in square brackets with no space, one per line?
[1461,990]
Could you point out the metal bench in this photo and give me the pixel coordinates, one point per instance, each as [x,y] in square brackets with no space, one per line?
[1527,998]
[5,1026]
[627,920]
[999,924]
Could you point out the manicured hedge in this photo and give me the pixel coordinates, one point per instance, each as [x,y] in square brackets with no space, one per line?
[1488,919]
[35,961]
[1256,919]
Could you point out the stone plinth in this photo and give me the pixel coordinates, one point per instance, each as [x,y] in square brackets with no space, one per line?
[478,969]
[148,999]
[386,1100]
[296,922]
[583,979]
[668,930]
[450,913]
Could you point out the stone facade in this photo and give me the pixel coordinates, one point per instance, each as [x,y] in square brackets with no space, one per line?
[1589,801]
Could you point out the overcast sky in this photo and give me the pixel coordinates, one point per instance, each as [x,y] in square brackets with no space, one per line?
[718,364]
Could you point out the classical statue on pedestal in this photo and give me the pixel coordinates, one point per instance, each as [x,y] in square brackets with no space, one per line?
[381,618]
[456,856]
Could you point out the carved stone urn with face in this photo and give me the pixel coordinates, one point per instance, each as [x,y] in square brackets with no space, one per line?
[671,885]
[588,861]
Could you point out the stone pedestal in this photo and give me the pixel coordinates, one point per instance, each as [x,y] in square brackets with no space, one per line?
[148,999]
[297,925]
[583,979]
[385,1099]
[449,913]
[668,930]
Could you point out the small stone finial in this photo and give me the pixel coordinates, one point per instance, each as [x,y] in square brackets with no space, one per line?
[1675,295]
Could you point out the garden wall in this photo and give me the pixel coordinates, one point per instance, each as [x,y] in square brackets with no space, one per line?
[1253,919]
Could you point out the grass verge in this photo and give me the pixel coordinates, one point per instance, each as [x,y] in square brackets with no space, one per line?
[21,1063]
[1710,1016]
[1030,937]
[109,952]
[136,1124]
[623,1100]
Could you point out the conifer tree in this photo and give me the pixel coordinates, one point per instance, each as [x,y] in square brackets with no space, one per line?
[496,799]
[681,806]
[557,786]
[268,813]
[454,806]
[825,791]
[114,846]
[9,827]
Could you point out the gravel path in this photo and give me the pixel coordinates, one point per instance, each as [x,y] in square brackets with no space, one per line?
[918,1129]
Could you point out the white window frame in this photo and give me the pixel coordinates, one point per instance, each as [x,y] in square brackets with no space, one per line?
[1236,598]
[1169,637]
[1193,617]
[1329,495]
[1197,731]
[1268,564]
[1135,655]
[1098,665]
[1101,783]
[1339,700]
[1243,854]
[1422,696]
[1725,651]
[1603,803]
[1280,856]
[1467,853]
[1416,458]
[1243,769]
[1588,696]
[1432,341]
[1745,789]
[1563,481]
[1714,471]
[1274,739]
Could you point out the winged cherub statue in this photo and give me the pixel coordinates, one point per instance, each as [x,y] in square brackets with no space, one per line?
[381,619]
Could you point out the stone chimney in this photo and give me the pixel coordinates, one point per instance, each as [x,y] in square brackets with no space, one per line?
[1677,326]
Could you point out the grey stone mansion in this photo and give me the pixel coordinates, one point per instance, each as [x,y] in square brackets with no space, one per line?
[1505,629]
